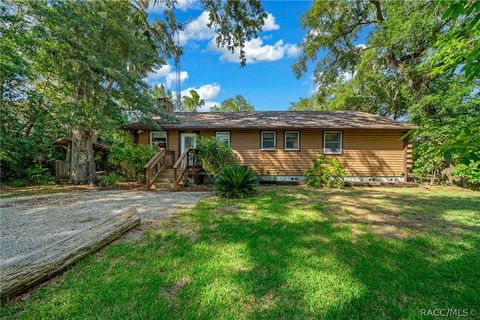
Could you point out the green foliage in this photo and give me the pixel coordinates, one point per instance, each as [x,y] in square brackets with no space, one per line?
[127,159]
[237,104]
[449,127]
[18,183]
[39,175]
[459,48]
[236,182]
[304,104]
[214,155]
[468,173]
[193,102]
[26,137]
[111,179]
[407,68]
[326,172]
[84,64]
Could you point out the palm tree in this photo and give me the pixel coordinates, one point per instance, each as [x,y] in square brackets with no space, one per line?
[192,102]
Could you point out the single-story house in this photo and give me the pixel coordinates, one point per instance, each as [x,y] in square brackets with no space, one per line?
[281,145]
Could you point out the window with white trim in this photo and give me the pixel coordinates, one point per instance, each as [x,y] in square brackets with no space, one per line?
[223,136]
[158,138]
[268,140]
[332,142]
[292,140]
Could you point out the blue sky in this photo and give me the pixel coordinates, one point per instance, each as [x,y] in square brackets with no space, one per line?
[267,81]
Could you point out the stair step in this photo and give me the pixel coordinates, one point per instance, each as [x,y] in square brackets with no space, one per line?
[162,187]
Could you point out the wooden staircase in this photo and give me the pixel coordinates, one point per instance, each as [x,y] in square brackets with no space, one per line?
[164,182]
[159,175]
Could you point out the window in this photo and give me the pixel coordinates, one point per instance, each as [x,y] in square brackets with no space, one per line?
[332,142]
[223,136]
[292,140]
[158,138]
[268,140]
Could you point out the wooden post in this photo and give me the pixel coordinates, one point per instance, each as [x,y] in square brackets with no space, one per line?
[405,160]
[148,177]
[175,183]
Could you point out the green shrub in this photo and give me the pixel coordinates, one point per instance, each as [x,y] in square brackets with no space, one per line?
[39,175]
[18,183]
[326,172]
[127,159]
[214,155]
[236,182]
[111,179]
[468,174]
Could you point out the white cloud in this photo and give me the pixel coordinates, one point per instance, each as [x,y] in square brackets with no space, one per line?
[206,92]
[197,30]
[257,51]
[361,46]
[171,78]
[269,23]
[347,76]
[208,106]
[166,75]
[183,5]
[160,73]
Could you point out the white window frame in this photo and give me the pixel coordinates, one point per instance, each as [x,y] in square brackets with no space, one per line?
[285,140]
[274,140]
[166,137]
[224,132]
[325,151]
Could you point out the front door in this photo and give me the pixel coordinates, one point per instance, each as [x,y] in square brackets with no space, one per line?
[187,141]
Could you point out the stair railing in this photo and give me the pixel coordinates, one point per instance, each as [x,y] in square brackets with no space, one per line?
[185,167]
[155,167]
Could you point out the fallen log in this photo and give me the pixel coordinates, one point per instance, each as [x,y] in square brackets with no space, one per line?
[23,273]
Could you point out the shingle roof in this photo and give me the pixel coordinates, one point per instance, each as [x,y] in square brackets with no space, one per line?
[276,120]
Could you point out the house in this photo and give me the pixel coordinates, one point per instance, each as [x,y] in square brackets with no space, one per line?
[281,145]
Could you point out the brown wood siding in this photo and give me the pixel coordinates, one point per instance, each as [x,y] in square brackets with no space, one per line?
[144,137]
[173,142]
[365,152]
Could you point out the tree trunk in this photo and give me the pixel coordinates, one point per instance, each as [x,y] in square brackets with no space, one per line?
[82,165]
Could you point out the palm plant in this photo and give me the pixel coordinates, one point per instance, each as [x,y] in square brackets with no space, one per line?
[236,182]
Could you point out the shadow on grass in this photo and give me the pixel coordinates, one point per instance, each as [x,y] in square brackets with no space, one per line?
[284,254]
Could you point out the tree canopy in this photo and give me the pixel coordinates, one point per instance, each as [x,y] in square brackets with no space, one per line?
[236,104]
[419,55]
[79,66]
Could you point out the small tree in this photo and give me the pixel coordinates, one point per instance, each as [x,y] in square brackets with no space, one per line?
[193,102]
[326,172]
[237,104]
[215,155]
[127,159]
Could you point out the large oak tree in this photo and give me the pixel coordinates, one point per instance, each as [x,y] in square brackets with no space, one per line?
[90,59]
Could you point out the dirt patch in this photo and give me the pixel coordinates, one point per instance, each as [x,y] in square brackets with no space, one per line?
[172,291]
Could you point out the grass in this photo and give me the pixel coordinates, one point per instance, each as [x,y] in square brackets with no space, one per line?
[291,252]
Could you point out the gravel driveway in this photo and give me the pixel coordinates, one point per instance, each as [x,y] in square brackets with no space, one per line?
[30,223]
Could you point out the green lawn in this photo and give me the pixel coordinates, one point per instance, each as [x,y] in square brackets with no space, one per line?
[291,252]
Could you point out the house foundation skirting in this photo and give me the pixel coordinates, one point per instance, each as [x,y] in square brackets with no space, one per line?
[392,179]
